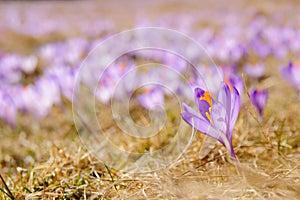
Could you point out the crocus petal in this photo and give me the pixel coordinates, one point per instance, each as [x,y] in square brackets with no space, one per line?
[237,82]
[296,76]
[201,125]
[225,97]
[190,110]
[235,103]
[218,116]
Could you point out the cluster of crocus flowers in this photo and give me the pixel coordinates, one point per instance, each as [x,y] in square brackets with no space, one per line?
[216,118]
[259,99]
[60,61]
[291,74]
[14,65]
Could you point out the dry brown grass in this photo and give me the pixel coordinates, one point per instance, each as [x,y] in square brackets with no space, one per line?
[47,160]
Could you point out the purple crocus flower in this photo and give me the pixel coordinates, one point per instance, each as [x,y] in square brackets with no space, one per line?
[216,118]
[254,70]
[259,99]
[152,98]
[291,74]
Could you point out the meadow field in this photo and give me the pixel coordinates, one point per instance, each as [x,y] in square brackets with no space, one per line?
[150,99]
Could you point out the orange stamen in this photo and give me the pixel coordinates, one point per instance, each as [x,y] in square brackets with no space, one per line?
[208,116]
[207,97]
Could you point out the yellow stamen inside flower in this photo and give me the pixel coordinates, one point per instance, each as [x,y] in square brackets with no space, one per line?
[296,64]
[207,97]
[207,114]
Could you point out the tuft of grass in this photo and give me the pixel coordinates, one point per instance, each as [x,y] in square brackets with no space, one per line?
[6,191]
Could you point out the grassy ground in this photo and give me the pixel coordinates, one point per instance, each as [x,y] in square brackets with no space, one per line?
[46,159]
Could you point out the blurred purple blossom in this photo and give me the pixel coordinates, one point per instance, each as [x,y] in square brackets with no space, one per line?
[39,98]
[254,70]
[260,48]
[8,109]
[291,74]
[10,68]
[152,98]
[259,99]
[64,76]
[175,62]
[60,59]
[108,86]
[68,52]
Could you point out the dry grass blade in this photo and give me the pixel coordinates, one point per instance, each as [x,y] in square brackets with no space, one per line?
[7,192]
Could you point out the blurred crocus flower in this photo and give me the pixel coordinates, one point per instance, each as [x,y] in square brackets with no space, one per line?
[259,99]
[39,98]
[152,98]
[254,70]
[67,52]
[291,74]
[175,62]
[64,76]
[12,65]
[10,68]
[215,118]
[259,47]
[8,110]
[116,83]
